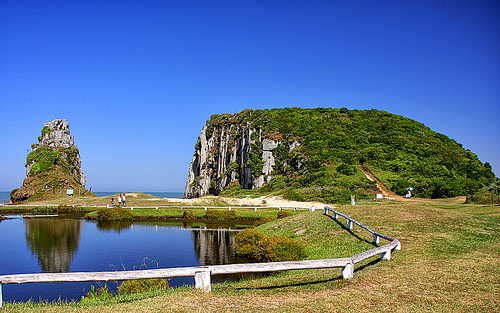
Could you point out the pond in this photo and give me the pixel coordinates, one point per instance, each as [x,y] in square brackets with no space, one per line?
[53,245]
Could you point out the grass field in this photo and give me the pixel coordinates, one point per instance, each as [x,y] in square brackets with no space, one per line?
[449,262]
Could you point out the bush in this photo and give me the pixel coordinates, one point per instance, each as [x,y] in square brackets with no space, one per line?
[113,214]
[141,285]
[283,213]
[187,215]
[222,215]
[67,209]
[245,242]
[346,169]
[280,248]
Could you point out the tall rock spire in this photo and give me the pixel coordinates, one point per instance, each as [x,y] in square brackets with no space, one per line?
[53,166]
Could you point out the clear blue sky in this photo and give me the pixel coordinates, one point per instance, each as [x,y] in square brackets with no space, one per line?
[137,80]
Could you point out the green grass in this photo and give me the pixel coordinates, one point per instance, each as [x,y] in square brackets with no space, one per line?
[449,262]
[200,212]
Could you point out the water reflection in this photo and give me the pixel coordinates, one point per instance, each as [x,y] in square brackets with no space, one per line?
[213,246]
[54,241]
[117,226]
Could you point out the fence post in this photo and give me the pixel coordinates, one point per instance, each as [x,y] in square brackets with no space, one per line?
[202,280]
[376,239]
[398,246]
[348,271]
[326,211]
[349,224]
[1,300]
[386,255]
[255,209]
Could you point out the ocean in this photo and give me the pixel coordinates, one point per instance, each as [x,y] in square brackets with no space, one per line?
[5,195]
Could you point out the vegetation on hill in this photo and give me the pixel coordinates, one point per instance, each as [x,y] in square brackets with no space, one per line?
[402,153]
[50,172]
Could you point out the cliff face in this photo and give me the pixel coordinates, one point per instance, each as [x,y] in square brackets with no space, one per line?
[52,166]
[231,153]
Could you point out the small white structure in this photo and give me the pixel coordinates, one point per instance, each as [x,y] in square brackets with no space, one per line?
[379,196]
[69,192]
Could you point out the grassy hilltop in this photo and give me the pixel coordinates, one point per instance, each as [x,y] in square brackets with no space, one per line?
[333,143]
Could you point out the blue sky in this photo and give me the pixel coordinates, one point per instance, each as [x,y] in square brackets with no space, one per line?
[137,80]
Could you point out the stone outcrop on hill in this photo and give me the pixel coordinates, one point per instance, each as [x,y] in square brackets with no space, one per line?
[231,154]
[53,166]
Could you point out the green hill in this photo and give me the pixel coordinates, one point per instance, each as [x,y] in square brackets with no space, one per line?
[319,151]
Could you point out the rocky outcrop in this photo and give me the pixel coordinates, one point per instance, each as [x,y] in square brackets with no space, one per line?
[231,153]
[52,166]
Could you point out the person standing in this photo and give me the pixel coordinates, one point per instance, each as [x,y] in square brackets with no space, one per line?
[124,200]
[119,199]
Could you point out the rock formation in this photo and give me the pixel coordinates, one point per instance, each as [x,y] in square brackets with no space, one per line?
[53,166]
[231,153]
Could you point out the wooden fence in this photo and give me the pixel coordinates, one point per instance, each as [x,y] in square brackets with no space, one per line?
[202,274]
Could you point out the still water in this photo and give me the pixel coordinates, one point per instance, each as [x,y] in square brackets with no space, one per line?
[43,245]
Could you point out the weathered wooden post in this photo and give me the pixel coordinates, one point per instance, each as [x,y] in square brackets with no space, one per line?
[349,224]
[202,280]
[386,255]
[398,246]
[348,271]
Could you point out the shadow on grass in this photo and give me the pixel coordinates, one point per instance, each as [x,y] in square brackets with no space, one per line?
[299,284]
[350,231]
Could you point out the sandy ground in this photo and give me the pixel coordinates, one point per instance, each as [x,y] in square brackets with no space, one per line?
[260,201]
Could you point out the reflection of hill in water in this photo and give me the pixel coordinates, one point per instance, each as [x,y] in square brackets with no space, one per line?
[54,241]
[214,246]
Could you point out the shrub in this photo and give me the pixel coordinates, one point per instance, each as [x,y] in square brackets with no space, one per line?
[245,242]
[67,209]
[346,169]
[280,248]
[222,215]
[283,213]
[102,293]
[187,215]
[113,214]
[141,285]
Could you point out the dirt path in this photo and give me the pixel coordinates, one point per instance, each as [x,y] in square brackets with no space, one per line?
[380,185]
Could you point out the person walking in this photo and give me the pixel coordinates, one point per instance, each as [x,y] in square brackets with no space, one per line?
[119,199]
[124,200]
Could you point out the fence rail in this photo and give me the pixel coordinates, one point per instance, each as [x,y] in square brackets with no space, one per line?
[202,274]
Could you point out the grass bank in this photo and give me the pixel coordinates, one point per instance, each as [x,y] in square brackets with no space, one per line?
[449,262]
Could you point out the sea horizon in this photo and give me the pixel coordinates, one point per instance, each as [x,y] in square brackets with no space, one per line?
[5,195]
